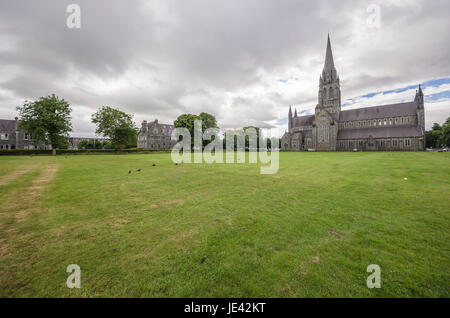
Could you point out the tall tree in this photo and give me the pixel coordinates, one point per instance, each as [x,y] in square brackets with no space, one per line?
[115,124]
[208,121]
[47,120]
[432,136]
[258,135]
[445,133]
[187,121]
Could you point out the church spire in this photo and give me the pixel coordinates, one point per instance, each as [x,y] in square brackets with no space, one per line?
[419,96]
[329,96]
[329,71]
[290,119]
[329,62]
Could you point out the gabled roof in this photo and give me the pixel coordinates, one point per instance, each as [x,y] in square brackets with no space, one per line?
[165,128]
[393,110]
[385,132]
[7,125]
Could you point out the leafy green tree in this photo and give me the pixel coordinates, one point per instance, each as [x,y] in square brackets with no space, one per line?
[187,121]
[432,137]
[438,136]
[115,124]
[84,144]
[235,137]
[444,139]
[47,120]
[90,144]
[107,145]
[258,135]
[208,121]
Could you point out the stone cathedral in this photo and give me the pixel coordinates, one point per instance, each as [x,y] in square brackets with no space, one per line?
[388,127]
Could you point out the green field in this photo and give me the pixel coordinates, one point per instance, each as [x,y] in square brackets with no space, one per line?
[225,230]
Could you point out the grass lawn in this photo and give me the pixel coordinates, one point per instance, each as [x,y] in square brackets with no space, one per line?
[223,230]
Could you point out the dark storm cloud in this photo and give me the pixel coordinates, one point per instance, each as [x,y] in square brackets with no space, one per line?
[158,59]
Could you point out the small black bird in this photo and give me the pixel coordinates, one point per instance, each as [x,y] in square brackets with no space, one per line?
[129,171]
[153,165]
[203,260]
[176,164]
[138,170]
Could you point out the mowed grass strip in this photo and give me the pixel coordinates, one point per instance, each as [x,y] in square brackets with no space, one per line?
[224,230]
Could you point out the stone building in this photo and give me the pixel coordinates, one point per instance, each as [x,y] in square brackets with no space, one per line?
[11,137]
[388,127]
[75,141]
[154,136]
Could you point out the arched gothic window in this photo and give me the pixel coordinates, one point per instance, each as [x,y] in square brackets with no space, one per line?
[330,93]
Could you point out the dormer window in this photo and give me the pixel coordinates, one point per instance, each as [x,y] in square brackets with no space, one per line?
[4,136]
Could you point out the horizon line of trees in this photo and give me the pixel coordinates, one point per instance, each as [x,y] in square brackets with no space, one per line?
[48,121]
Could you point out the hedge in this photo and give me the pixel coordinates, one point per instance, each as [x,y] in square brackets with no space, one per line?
[28,152]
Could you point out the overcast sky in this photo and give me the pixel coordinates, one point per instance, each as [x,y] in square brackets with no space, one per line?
[245,61]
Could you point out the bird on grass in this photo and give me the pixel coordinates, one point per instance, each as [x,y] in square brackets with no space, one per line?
[138,170]
[129,171]
[153,165]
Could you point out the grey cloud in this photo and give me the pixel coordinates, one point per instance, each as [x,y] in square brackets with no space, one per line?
[203,55]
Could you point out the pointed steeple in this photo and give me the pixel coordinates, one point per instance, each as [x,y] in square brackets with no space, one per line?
[329,71]
[329,96]
[329,62]
[419,96]
[290,119]
[295,113]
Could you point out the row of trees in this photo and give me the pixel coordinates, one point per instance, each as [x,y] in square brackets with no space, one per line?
[438,136]
[209,121]
[48,121]
[95,144]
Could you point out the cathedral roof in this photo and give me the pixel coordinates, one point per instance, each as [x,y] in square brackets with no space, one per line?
[304,120]
[393,110]
[385,132]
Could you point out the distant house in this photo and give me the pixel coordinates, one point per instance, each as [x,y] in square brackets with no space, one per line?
[75,141]
[154,136]
[11,137]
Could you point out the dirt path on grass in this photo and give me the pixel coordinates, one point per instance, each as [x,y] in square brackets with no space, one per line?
[33,192]
[23,205]
[16,174]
